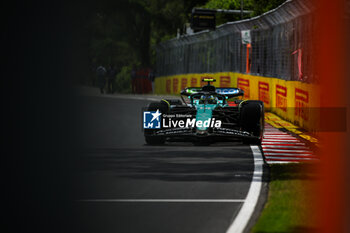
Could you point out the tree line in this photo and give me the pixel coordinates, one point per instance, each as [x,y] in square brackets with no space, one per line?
[124,33]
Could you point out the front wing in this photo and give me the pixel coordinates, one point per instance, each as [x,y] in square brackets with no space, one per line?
[186,133]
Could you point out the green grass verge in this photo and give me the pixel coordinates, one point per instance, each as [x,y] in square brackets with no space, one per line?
[290,206]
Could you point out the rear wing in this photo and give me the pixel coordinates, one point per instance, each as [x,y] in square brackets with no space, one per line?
[230,92]
[227,91]
[191,90]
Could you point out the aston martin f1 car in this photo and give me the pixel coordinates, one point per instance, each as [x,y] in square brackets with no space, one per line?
[210,114]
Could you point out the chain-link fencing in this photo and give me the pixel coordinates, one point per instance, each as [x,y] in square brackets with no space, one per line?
[282,46]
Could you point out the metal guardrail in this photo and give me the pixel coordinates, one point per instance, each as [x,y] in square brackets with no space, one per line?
[282,46]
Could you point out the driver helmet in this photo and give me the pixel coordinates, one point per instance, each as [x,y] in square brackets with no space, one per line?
[212,99]
[203,99]
[208,99]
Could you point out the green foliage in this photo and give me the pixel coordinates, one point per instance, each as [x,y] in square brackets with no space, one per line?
[223,4]
[290,207]
[125,32]
[122,82]
[257,6]
[261,6]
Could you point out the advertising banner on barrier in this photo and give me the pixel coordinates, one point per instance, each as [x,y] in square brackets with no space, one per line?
[245,86]
[225,81]
[194,82]
[175,85]
[291,100]
[264,93]
[184,83]
[301,104]
[281,97]
[168,86]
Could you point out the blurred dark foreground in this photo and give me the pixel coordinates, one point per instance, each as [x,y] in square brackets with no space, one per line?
[40,54]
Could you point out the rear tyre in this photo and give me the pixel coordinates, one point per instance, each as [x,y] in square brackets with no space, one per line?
[162,106]
[150,138]
[174,102]
[252,120]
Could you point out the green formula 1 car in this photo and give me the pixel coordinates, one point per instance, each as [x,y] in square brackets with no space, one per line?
[206,117]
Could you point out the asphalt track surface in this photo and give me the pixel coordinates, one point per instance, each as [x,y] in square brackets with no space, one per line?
[126,186]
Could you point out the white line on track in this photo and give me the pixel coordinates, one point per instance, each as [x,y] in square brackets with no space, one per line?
[288,158]
[279,140]
[282,162]
[287,155]
[245,213]
[164,200]
[283,143]
[287,151]
[292,147]
[275,134]
[276,138]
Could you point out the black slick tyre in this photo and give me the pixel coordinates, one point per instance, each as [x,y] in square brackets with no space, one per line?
[252,121]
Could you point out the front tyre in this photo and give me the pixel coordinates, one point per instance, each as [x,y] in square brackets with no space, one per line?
[252,120]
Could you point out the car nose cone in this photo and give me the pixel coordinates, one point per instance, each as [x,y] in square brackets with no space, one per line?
[202,132]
